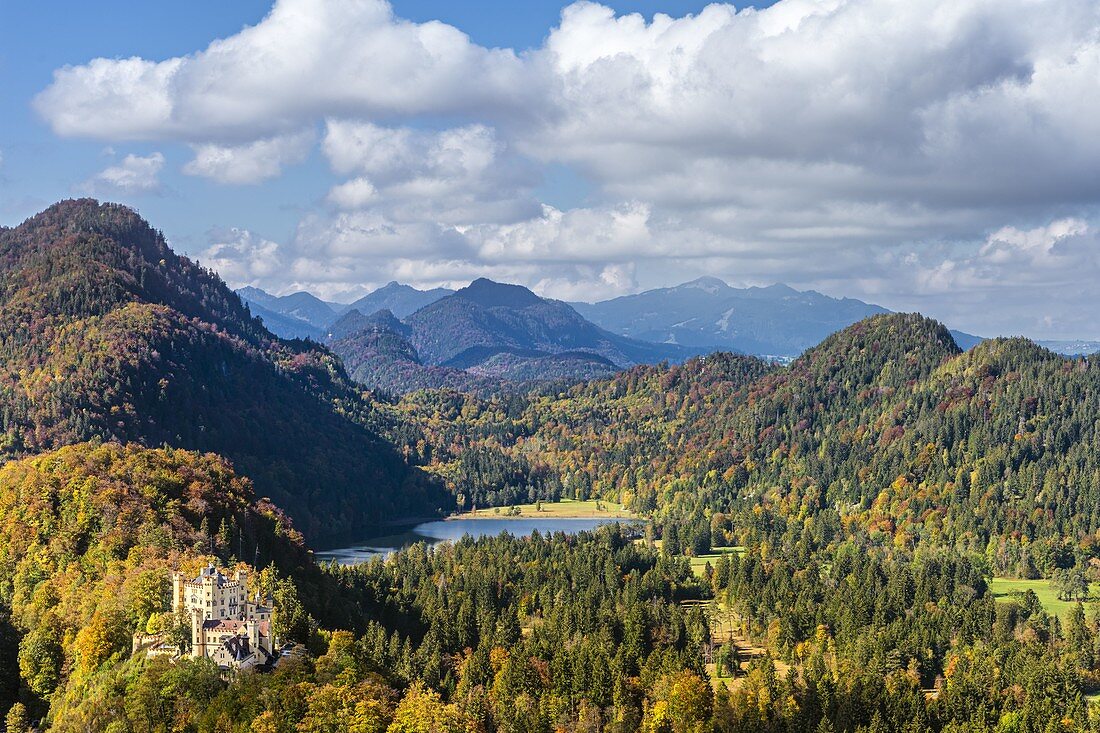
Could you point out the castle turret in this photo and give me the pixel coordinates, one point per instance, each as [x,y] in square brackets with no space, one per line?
[179,586]
[252,629]
[198,634]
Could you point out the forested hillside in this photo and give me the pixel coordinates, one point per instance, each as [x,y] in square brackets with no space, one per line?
[886,425]
[89,535]
[106,333]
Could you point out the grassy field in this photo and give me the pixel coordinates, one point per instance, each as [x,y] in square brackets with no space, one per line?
[564,509]
[698,564]
[1006,588]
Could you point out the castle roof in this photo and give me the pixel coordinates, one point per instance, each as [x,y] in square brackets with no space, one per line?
[211,572]
[223,624]
[238,647]
[234,626]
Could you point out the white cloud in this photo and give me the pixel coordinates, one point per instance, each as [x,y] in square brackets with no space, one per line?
[307,59]
[345,253]
[940,104]
[353,194]
[242,257]
[900,150]
[251,162]
[1038,244]
[617,234]
[111,99]
[458,176]
[135,174]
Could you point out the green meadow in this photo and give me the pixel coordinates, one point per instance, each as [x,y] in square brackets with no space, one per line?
[1007,588]
[699,562]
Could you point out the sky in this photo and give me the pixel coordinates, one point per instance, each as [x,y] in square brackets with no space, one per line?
[931,155]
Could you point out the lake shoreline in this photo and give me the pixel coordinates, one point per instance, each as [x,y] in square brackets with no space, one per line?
[565,509]
[437,531]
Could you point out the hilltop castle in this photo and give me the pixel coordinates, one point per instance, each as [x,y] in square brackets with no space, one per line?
[226,625]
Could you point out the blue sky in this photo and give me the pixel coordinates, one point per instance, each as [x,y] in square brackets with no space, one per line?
[933,155]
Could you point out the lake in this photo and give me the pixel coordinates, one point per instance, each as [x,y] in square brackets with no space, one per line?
[453,529]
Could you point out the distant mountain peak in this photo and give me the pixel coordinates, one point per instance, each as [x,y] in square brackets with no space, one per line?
[778,289]
[771,321]
[401,299]
[355,321]
[489,294]
[706,283]
[257,294]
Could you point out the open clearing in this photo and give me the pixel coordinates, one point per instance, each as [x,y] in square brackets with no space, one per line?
[1007,588]
[699,563]
[564,509]
[726,629]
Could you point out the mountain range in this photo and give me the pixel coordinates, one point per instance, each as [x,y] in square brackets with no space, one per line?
[776,322]
[399,338]
[481,336]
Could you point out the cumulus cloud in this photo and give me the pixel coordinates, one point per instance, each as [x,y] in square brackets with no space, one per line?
[458,176]
[306,59]
[900,151]
[250,162]
[874,113]
[353,194]
[242,257]
[616,234]
[135,174]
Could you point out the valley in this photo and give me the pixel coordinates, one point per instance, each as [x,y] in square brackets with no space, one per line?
[716,542]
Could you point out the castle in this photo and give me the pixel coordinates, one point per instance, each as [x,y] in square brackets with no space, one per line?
[226,625]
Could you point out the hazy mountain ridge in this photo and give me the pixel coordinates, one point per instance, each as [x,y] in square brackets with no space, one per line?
[401,300]
[1068,347]
[708,313]
[303,315]
[501,331]
[302,306]
[285,326]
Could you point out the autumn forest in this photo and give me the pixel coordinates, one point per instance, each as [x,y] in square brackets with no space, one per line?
[888,535]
